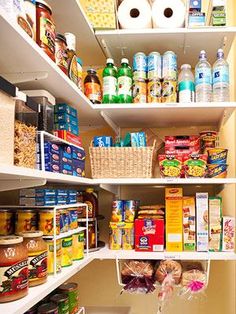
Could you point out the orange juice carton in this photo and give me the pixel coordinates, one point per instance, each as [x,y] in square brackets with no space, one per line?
[128,236]
[202,221]
[115,239]
[228,236]
[189,223]
[149,235]
[174,219]
[215,220]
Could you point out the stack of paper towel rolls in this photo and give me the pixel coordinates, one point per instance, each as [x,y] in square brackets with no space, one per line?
[139,14]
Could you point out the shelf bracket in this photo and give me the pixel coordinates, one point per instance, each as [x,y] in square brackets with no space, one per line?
[9,185]
[111,123]
[225,117]
[114,189]
[24,77]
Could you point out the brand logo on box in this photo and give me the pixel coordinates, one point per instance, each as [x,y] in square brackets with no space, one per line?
[149,227]
[143,242]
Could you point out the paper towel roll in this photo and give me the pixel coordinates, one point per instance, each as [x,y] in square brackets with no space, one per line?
[168,13]
[135,14]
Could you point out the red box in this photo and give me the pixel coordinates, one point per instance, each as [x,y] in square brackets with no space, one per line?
[182,150]
[149,235]
[69,137]
[182,140]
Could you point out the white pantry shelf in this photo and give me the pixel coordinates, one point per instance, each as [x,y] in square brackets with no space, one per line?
[31,66]
[164,115]
[185,42]
[54,139]
[66,234]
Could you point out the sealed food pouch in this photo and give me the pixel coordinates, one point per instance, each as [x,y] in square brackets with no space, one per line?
[193,282]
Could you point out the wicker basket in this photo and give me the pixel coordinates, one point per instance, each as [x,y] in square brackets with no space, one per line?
[122,162]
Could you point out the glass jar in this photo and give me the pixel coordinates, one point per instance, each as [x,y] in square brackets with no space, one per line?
[45,28]
[26,220]
[37,257]
[61,55]
[46,222]
[62,302]
[92,87]
[13,269]
[6,222]
[48,308]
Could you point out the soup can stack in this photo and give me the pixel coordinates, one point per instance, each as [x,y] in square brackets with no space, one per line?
[139,78]
[170,74]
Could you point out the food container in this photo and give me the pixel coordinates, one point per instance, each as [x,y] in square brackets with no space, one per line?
[50,259]
[208,140]
[130,209]
[71,290]
[78,246]
[62,302]
[46,222]
[195,165]
[73,218]
[37,257]
[217,155]
[6,222]
[13,269]
[64,220]
[170,165]
[26,220]
[61,55]
[217,171]
[48,308]
[67,253]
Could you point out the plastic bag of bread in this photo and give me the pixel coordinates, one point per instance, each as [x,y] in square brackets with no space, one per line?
[151,211]
[137,277]
[193,282]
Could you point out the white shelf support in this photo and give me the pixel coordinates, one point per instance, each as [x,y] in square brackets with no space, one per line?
[111,123]
[9,185]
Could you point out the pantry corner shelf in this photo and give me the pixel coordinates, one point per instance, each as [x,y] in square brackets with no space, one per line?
[66,234]
[185,42]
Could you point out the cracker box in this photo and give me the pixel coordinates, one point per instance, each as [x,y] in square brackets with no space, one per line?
[174,219]
[189,224]
[215,223]
[149,235]
[202,221]
[228,236]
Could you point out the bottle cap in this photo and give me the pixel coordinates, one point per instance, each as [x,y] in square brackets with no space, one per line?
[220,53]
[124,60]
[110,60]
[71,41]
[185,66]
[202,54]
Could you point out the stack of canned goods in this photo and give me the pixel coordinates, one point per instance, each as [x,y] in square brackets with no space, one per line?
[155,77]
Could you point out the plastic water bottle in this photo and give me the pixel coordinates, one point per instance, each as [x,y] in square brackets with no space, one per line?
[220,78]
[186,85]
[125,83]
[109,83]
[203,79]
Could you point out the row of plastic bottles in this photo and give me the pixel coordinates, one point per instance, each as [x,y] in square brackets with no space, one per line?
[209,84]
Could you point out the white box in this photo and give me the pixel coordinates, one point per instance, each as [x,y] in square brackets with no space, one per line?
[228,236]
[202,221]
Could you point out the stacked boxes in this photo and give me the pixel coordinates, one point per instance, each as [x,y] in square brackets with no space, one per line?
[202,221]
[196,16]
[215,219]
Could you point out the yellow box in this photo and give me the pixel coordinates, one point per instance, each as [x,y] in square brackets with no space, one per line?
[121,236]
[174,219]
[102,20]
[128,236]
[189,223]
[99,6]
[115,239]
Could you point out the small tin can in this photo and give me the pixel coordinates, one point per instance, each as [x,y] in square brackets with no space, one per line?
[169,66]
[73,218]
[6,222]
[62,302]
[78,246]
[117,211]
[154,66]
[46,222]
[154,91]
[64,220]
[140,66]
[50,259]
[71,290]
[169,91]
[67,254]
[130,208]
[48,308]
[26,220]
[140,91]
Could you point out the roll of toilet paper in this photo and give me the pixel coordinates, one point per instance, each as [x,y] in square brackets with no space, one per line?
[168,13]
[135,14]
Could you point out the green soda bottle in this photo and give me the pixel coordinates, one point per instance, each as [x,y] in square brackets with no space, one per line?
[125,83]
[109,83]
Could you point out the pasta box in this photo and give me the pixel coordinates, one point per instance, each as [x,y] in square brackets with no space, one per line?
[69,137]
[64,108]
[65,118]
[78,153]
[149,235]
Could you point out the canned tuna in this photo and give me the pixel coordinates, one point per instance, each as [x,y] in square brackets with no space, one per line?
[169,66]
[139,66]
[154,66]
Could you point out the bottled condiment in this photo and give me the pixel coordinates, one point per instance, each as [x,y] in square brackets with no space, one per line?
[26,220]
[92,87]
[6,222]
[37,257]
[91,199]
[13,269]
[72,58]
[62,302]
[71,290]
[48,308]
[45,28]
[80,73]
[61,55]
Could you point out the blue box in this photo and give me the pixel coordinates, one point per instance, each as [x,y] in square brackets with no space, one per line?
[51,148]
[68,127]
[45,202]
[61,193]
[61,202]
[195,5]
[49,157]
[72,193]
[53,166]
[138,139]
[69,172]
[65,166]
[64,108]
[68,201]
[66,118]
[196,19]
[45,193]
[66,151]
[78,153]
[78,168]
[102,141]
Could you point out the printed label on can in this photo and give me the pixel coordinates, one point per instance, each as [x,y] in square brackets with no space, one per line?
[154,91]
[47,33]
[154,66]
[140,91]
[169,66]
[169,93]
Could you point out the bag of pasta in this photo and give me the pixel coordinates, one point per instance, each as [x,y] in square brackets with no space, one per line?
[195,165]
[170,165]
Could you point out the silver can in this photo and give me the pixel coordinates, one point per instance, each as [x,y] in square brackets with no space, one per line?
[169,66]
[154,66]
[140,66]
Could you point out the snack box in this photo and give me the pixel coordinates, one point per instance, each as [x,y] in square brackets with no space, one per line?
[50,157]
[71,201]
[78,153]
[66,118]
[68,127]
[66,161]
[78,168]
[182,140]
[51,148]
[182,150]
[195,165]
[66,152]
[71,193]
[69,137]
[215,223]
[128,236]
[170,165]
[228,236]
[149,235]
[195,5]
[102,141]
[217,155]
[61,202]
[189,223]
[174,219]
[64,108]
[202,214]
[45,193]
[115,238]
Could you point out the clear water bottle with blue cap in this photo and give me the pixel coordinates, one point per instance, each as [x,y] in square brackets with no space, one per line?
[221,78]
[203,79]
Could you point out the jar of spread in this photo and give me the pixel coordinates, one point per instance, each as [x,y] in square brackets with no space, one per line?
[6,222]
[62,302]
[92,87]
[46,222]
[71,290]
[37,257]
[61,55]
[48,308]
[67,253]
[26,220]
[13,269]
[45,28]
[50,246]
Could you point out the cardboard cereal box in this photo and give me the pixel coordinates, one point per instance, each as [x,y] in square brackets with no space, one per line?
[189,223]
[215,223]
[202,221]
[174,219]
[149,235]
[228,236]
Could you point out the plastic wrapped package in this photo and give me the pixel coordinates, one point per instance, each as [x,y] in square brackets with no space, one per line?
[193,282]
